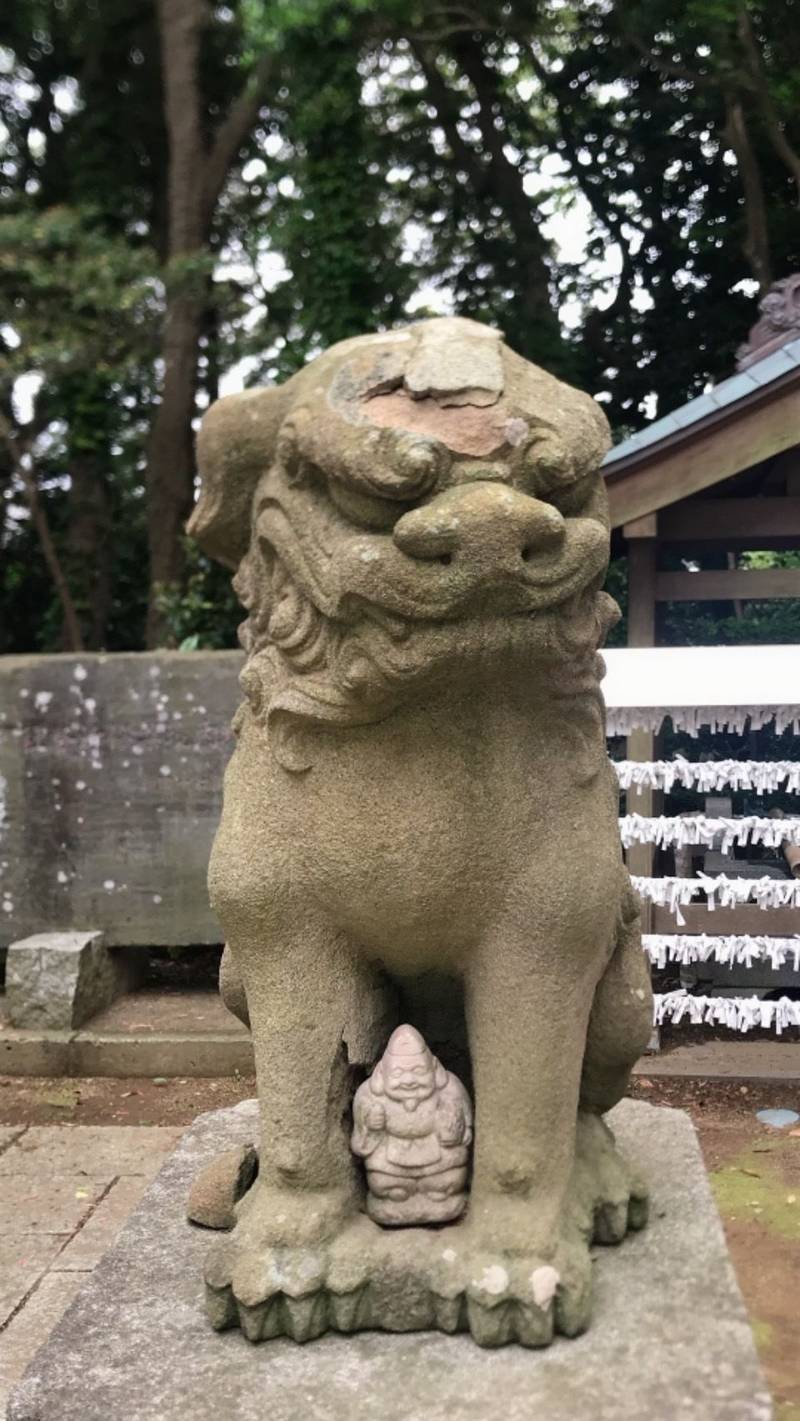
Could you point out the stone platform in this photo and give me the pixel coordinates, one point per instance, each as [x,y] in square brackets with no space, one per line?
[670,1338]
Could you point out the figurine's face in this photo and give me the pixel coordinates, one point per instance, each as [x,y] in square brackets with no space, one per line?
[410,1080]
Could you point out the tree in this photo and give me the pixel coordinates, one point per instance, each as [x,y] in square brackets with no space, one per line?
[199,164]
[300,171]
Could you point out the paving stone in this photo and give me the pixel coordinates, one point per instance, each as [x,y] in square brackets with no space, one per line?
[31,1327]
[670,1337]
[88,1245]
[9,1133]
[23,1260]
[30,1205]
[101,1152]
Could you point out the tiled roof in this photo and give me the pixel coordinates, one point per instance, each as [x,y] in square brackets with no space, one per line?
[728,392]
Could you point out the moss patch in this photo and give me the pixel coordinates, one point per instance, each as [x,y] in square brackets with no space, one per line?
[763,1334]
[751,1188]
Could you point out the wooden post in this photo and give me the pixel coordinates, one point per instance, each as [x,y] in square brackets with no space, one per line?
[642,538]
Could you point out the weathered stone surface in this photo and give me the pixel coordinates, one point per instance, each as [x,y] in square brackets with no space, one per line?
[23,1260]
[110,780]
[57,981]
[27,1331]
[53,1184]
[97,1152]
[421,786]
[85,1249]
[41,1204]
[670,1337]
[220,1186]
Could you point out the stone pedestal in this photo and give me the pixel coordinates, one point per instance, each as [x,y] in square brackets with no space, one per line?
[669,1339]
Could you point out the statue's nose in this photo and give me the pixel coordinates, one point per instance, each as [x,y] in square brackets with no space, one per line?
[489,522]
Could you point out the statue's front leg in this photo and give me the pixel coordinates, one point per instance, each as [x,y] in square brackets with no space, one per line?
[527,1257]
[303,984]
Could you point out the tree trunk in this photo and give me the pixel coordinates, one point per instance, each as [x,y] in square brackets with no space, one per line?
[25,470]
[170,462]
[89,546]
[197,174]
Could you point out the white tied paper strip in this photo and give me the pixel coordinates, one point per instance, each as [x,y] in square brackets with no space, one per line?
[708,776]
[722,892]
[737,1013]
[671,832]
[621,720]
[729,949]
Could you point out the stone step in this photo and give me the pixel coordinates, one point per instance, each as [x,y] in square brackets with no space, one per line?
[151,1032]
[159,1031]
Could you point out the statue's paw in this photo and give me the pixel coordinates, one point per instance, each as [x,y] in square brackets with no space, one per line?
[609,1197]
[517,1296]
[272,1292]
[287,1289]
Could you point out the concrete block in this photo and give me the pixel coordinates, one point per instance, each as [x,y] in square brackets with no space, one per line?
[34,1053]
[168,1054]
[670,1337]
[57,981]
[111,774]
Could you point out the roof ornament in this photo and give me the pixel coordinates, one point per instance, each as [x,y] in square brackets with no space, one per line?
[779,322]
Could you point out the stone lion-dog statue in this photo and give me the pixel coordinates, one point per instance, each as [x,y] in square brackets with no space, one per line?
[421,791]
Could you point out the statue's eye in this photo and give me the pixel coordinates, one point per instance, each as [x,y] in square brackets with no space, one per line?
[572,497]
[366,509]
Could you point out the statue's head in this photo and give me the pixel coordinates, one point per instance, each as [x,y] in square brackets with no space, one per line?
[407,1071]
[406,500]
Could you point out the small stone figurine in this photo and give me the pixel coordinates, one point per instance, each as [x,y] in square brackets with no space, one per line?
[413,1128]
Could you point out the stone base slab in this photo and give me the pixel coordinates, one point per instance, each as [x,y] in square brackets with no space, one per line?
[670,1337]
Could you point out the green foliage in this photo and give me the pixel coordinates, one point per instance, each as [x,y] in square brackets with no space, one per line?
[204,614]
[408,158]
[79,298]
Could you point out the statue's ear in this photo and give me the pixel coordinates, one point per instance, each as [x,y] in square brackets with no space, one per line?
[376,1081]
[440,1074]
[235,445]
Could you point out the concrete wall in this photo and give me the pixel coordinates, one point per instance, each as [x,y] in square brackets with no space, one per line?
[110,787]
